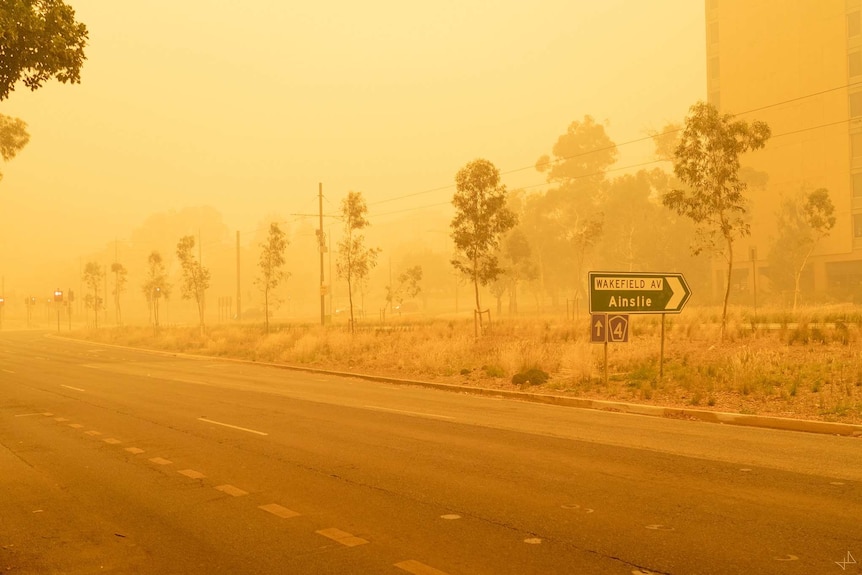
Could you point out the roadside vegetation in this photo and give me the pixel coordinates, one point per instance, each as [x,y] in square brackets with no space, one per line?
[805,365]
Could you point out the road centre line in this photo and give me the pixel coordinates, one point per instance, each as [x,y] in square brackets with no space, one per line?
[7,371]
[407,412]
[232,426]
[27,414]
[70,387]
[343,537]
[418,568]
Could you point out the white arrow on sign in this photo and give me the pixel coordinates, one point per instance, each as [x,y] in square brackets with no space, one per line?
[677,290]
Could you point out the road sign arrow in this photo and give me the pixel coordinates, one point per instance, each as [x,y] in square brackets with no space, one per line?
[628,292]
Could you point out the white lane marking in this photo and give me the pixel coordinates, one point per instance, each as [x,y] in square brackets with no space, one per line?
[532,540]
[112,441]
[135,450]
[74,388]
[192,473]
[76,425]
[231,490]
[659,528]
[7,371]
[375,407]
[160,461]
[450,516]
[48,414]
[231,426]
[343,537]
[278,510]
[27,414]
[787,558]
[61,419]
[94,433]
[418,568]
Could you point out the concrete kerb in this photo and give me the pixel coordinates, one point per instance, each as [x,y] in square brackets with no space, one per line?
[720,417]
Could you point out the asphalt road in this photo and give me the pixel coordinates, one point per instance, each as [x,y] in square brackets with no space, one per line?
[121,461]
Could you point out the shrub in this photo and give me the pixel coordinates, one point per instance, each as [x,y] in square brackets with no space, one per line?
[533,376]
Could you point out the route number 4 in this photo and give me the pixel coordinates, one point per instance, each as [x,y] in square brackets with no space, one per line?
[849,560]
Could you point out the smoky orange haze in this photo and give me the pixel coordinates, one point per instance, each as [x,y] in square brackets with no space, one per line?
[219,116]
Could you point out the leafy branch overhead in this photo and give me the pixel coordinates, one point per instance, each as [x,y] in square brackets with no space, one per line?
[39,40]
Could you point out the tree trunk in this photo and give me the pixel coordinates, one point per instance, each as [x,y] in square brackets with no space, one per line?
[266,309]
[350,301]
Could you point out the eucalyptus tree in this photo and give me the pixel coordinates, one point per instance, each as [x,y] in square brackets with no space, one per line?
[707,161]
[355,259]
[481,219]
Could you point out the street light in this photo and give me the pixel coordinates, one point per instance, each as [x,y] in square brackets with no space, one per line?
[58,300]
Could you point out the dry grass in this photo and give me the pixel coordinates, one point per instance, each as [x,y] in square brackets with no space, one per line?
[807,366]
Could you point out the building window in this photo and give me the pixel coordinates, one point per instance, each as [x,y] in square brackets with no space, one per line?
[713,33]
[854,24]
[857,225]
[857,185]
[715,99]
[856,145]
[855,104]
[713,4]
[713,66]
[854,60]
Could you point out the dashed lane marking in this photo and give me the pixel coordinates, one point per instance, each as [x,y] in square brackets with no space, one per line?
[278,510]
[231,490]
[29,414]
[61,419]
[533,540]
[94,433]
[48,414]
[160,461]
[450,516]
[134,450]
[343,537]
[73,388]
[417,568]
[7,371]
[112,441]
[76,426]
[423,414]
[192,473]
[232,426]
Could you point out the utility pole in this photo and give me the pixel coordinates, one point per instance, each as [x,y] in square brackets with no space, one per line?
[238,292]
[322,248]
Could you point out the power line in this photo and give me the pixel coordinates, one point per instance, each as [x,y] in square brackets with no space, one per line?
[629,142]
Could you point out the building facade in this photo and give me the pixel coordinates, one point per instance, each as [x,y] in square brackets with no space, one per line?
[796,65]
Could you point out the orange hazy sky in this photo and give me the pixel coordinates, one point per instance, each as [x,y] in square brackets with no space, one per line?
[246,106]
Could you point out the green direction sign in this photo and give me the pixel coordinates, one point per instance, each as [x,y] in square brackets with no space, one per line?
[626,292]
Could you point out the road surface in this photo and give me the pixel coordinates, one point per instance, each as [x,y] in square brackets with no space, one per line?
[122,461]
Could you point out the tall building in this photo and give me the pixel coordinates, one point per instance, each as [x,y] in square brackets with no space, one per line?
[797,65]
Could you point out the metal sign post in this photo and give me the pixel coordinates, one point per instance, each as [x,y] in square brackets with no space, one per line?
[634,293]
